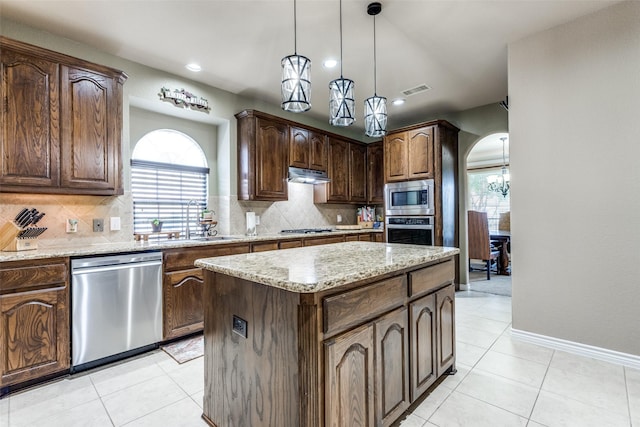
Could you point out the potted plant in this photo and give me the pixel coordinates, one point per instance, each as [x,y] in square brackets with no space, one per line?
[156,225]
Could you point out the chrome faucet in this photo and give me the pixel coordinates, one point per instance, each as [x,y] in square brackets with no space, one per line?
[187,233]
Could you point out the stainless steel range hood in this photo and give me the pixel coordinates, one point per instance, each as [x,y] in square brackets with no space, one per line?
[307,176]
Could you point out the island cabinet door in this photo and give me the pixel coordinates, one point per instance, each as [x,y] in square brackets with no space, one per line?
[349,376]
[423,348]
[392,366]
[445,300]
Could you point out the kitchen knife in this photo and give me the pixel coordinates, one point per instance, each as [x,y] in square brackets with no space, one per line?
[37,218]
[38,231]
[22,212]
[22,218]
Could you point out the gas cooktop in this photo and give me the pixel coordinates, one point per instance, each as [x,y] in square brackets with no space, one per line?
[307,230]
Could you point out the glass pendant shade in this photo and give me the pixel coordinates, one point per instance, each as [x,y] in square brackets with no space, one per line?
[296,83]
[341,102]
[375,116]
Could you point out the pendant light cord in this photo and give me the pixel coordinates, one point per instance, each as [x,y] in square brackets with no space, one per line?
[340,38]
[375,78]
[295,29]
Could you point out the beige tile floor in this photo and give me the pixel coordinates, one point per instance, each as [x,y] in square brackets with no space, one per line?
[500,382]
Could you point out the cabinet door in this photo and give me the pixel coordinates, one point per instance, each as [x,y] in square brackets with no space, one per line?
[392,366]
[375,174]
[90,148]
[318,151]
[445,300]
[338,188]
[423,338]
[349,376]
[420,153]
[272,160]
[357,173]
[183,311]
[299,147]
[29,135]
[395,157]
[34,334]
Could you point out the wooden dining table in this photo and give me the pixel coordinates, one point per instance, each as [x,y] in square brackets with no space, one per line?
[503,237]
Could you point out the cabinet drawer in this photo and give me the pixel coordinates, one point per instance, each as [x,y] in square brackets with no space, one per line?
[181,259]
[26,275]
[291,244]
[351,238]
[323,240]
[261,247]
[356,306]
[431,278]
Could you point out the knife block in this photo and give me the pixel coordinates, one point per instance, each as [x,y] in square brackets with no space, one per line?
[8,233]
[9,241]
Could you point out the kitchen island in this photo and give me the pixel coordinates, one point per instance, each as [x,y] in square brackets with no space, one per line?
[346,334]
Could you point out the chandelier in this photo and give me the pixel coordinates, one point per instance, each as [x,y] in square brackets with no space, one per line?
[501,183]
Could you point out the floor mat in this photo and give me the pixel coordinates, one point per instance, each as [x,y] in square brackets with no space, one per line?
[498,285]
[185,350]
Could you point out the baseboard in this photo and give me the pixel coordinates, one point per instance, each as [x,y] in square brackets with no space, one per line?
[465,286]
[579,349]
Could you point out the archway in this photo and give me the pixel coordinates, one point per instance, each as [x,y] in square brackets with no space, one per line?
[483,162]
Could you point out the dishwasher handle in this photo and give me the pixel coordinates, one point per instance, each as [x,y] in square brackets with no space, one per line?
[114,267]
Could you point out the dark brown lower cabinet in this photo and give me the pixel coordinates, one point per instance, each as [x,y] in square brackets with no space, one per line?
[34,319]
[423,335]
[445,315]
[392,366]
[183,308]
[349,380]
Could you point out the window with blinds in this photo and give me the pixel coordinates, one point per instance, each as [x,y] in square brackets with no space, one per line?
[168,170]
[163,191]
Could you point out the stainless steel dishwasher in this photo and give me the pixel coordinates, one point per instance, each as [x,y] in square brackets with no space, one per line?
[116,306]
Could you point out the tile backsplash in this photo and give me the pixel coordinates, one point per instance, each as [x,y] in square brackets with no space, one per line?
[297,212]
[59,208]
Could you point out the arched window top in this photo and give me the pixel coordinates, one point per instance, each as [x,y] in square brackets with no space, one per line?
[171,147]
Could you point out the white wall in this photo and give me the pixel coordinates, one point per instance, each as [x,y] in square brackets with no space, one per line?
[574,94]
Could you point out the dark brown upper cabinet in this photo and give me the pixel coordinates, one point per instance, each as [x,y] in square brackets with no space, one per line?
[307,149]
[61,120]
[263,157]
[375,173]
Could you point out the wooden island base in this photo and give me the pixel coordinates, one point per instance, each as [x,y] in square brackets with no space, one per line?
[359,354]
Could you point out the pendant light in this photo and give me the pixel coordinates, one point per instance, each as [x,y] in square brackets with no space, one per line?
[341,102]
[296,78]
[375,107]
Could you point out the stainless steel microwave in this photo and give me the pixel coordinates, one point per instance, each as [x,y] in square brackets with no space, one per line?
[409,198]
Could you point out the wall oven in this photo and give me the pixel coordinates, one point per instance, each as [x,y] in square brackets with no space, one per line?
[409,198]
[416,230]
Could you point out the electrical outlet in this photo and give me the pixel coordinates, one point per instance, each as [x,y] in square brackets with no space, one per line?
[239,326]
[339,218]
[257,219]
[72,225]
[115,223]
[98,225]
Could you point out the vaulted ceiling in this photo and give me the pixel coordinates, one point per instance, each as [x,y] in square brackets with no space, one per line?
[456,47]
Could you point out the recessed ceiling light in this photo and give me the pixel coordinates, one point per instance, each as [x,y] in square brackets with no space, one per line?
[398,101]
[329,63]
[193,67]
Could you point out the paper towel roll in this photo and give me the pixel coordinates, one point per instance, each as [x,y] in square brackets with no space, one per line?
[251,224]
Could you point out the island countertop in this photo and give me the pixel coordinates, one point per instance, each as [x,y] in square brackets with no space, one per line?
[319,268]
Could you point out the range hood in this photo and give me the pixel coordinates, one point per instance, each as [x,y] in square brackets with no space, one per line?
[307,176]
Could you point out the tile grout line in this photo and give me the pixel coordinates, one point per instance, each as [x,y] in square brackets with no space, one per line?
[101,401]
[540,388]
[626,388]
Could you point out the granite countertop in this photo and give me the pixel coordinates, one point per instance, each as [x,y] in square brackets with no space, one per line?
[317,268]
[85,249]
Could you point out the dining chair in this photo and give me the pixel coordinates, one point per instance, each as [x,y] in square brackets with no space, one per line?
[504,221]
[479,243]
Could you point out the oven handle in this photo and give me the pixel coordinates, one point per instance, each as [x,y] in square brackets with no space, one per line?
[418,227]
